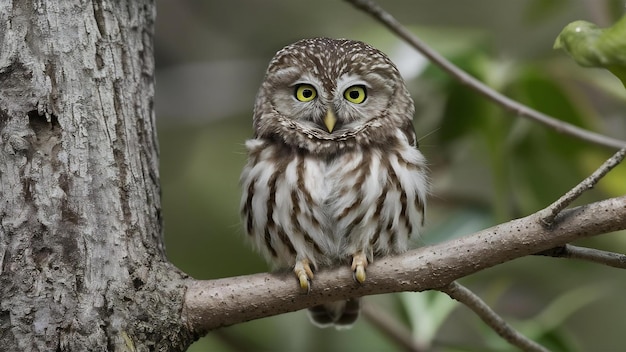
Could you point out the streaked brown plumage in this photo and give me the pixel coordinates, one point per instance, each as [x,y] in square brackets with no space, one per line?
[333,176]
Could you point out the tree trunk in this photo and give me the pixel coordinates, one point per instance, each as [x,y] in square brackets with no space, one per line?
[82,263]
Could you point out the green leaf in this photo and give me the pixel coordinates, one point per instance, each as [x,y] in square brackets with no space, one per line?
[592,46]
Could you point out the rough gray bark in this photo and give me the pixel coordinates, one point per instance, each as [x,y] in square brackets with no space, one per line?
[215,303]
[82,264]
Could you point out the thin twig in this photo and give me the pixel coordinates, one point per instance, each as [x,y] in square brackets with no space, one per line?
[548,214]
[616,260]
[500,326]
[391,328]
[511,105]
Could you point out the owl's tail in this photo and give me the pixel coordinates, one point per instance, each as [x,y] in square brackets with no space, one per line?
[340,314]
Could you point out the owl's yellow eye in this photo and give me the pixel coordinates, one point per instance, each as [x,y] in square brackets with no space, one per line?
[355,94]
[305,92]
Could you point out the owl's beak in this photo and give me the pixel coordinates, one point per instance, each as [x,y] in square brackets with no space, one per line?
[330,120]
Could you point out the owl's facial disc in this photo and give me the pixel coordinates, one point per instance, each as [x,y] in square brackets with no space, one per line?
[329,105]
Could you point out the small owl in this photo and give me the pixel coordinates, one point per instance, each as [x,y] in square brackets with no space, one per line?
[334,176]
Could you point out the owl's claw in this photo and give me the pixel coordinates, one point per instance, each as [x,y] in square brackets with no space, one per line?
[304,273]
[359,263]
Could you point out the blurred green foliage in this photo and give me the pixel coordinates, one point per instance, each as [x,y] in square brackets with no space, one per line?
[487,166]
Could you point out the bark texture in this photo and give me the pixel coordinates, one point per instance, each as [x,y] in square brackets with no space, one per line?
[215,303]
[82,264]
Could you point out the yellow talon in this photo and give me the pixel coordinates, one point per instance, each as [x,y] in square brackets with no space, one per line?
[359,263]
[304,282]
[360,273]
[304,273]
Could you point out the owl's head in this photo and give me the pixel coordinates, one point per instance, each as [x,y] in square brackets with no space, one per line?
[325,94]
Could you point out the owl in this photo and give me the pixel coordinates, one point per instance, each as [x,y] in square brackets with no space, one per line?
[333,176]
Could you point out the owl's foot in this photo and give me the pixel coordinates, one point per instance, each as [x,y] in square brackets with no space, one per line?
[359,263]
[304,273]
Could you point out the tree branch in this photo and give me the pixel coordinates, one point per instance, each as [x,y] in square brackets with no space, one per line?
[616,260]
[508,104]
[462,294]
[547,215]
[215,303]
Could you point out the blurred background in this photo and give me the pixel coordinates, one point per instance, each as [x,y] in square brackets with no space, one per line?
[487,166]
